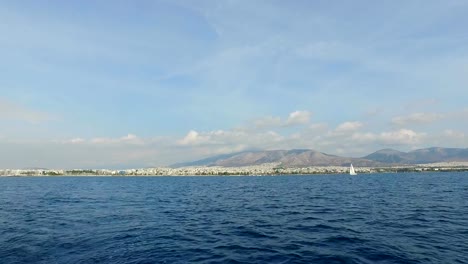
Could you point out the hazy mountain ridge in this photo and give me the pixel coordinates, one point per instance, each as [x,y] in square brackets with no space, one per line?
[308,157]
[426,155]
[287,158]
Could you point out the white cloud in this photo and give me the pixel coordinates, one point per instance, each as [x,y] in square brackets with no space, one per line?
[401,137]
[230,137]
[348,127]
[416,118]
[128,139]
[298,118]
[365,138]
[454,134]
[76,140]
[274,122]
[122,151]
[388,138]
[192,138]
[348,139]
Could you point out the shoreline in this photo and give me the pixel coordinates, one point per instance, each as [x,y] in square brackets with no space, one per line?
[261,170]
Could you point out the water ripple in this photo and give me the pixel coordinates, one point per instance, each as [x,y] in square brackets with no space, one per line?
[386,218]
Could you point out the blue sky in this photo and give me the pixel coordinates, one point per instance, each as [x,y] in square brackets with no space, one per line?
[149,83]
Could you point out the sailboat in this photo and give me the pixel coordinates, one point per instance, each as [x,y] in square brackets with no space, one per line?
[351,170]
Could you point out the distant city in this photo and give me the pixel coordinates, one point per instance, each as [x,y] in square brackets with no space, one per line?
[279,162]
[265,169]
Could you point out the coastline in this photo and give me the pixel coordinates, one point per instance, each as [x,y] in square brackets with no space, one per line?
[260,170]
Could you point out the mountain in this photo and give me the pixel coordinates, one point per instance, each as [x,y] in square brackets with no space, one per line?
[308,157]
[287,158]
[204,162]
[430,155]
[389,156]
[419,156]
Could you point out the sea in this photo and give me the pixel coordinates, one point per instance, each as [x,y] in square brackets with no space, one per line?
[369,218]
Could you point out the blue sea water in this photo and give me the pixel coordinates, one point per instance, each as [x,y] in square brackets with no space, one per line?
[374,218]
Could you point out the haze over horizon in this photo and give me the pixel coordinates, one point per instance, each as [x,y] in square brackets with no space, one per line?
[88,84]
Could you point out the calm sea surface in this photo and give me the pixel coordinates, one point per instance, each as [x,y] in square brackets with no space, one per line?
[376,218]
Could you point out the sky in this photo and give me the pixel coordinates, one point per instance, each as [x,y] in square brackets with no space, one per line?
[122,84]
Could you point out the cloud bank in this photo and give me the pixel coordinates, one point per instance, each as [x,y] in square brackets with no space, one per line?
[349,138]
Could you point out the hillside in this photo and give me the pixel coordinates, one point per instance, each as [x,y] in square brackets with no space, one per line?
[286,158]
[307,157]
[419,156]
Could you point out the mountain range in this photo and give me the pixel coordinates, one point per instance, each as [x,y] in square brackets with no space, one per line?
[308,157]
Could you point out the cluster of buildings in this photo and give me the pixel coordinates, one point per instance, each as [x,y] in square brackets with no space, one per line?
[264,169]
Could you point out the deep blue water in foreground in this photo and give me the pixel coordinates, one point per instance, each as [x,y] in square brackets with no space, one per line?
[376,218]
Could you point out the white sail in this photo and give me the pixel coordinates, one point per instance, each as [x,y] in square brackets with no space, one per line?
[351,170]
